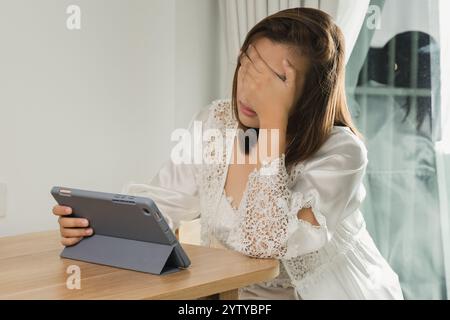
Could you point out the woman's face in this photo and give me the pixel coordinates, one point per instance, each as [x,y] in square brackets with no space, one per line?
[273,54]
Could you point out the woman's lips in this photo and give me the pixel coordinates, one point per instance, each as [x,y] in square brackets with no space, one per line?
[246,110]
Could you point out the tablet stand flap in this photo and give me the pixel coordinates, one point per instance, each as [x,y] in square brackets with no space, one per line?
[135,255]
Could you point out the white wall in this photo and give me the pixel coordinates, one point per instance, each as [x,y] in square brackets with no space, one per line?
[197,57]
[94,108]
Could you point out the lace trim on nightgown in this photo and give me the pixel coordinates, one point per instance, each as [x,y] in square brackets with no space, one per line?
[211,176]
[282,280]
[268,216]
[268,213]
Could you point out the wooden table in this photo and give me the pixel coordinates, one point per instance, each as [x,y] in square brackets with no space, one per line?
[30,268]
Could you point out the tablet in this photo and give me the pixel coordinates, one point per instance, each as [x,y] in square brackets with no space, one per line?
[129,232]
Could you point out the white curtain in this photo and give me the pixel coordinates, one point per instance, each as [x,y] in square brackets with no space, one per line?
[239,16]
[443,145]
[414,10]
[407,204]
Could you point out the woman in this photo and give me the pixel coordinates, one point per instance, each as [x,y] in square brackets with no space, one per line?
[299,201]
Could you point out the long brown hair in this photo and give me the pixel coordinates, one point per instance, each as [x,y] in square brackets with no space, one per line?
[322,104]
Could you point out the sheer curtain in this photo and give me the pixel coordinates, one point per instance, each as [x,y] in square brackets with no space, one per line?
[443,144]
[239,16]
[396,90]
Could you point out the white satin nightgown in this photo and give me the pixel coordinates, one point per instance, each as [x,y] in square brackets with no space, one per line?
[335,260]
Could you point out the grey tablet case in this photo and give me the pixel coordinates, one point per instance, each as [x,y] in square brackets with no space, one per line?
[129,232]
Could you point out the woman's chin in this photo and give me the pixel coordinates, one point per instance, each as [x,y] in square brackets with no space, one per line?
[249,122]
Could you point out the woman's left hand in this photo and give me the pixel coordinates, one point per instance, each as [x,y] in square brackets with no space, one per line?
[269,96]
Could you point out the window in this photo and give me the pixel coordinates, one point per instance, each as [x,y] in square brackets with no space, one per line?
[393,87]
